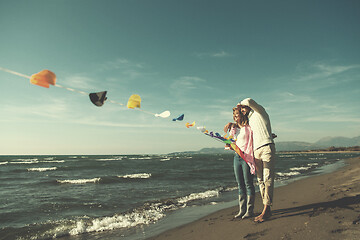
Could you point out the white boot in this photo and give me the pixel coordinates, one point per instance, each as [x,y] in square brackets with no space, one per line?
[242,206]
[250,207]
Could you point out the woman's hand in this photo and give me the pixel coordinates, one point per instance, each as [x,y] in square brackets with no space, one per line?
[228,127]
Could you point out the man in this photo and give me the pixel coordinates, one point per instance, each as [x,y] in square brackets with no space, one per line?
[264,152]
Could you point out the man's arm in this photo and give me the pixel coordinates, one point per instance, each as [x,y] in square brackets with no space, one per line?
[252,104]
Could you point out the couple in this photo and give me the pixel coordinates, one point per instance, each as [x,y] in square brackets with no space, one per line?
[252,131]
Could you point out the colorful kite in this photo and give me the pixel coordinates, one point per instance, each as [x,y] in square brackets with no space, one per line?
[226,140]
[179,118]
[202,129]
[98,98]
[43,78]
[164,114]
[188,125]
[134,101]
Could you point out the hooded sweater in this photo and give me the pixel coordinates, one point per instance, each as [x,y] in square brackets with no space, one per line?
[259,122]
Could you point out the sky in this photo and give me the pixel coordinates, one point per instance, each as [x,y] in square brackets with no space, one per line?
[300,60]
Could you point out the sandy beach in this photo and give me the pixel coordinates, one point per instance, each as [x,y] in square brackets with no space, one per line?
[320,207]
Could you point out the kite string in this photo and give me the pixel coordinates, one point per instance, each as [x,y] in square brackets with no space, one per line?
[71,89]
[138,109]
[14,73]
[111,101]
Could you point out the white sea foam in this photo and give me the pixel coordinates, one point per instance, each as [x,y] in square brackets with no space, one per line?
[197,196]
[313,164]
[147,214]
[165,159]
[25,161]
[299,168]
[3,163]
[140,158]
[318,158]
[136,175]
[53,161]
[80,181]
[288,174]
[41,169]
[110,159]
[286,156]
[135,218]
[229,189]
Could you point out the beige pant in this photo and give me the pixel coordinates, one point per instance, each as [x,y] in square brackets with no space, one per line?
[265,171]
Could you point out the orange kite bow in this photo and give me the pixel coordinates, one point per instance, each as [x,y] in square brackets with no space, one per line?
[43,78]
[190,125]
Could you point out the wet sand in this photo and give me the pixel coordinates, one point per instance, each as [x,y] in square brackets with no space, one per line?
[319,207]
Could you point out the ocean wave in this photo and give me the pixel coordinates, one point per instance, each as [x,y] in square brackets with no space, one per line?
[198,196]
[49,158]
[136,175]
[299,168]
[318,158]
[3,163]
[229,189]
[288,174]
[26,161]
[126,220]
[80,181]
[41,169]
[286,156]
[144,215]
[53,161]
[165,159]
[313,164]
[140,158]
[110,159]
[148,213]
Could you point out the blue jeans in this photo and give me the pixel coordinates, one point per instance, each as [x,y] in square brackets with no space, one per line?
[243,176]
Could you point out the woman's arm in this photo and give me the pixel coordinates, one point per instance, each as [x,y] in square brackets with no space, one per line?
[229,126]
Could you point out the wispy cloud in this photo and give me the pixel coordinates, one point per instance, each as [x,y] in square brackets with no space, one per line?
[289,97]
[126,67]
[120,63]
[318,71]
[79,81]
[187,83]
[333,119]
[220,54]
[54,109]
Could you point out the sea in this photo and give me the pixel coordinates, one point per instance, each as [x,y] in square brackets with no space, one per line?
[127,196]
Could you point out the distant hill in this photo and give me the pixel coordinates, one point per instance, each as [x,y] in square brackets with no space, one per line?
[339,141]
[323,143]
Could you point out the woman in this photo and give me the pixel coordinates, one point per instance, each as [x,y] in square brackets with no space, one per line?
[243,168]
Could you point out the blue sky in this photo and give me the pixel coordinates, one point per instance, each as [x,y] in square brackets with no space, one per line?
[299,59]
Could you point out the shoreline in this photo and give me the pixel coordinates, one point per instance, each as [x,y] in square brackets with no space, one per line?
[316,151]
[325,206]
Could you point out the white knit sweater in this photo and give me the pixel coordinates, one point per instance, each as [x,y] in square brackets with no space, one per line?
[259,122]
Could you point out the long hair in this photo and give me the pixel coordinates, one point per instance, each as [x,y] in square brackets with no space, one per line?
[239,118]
